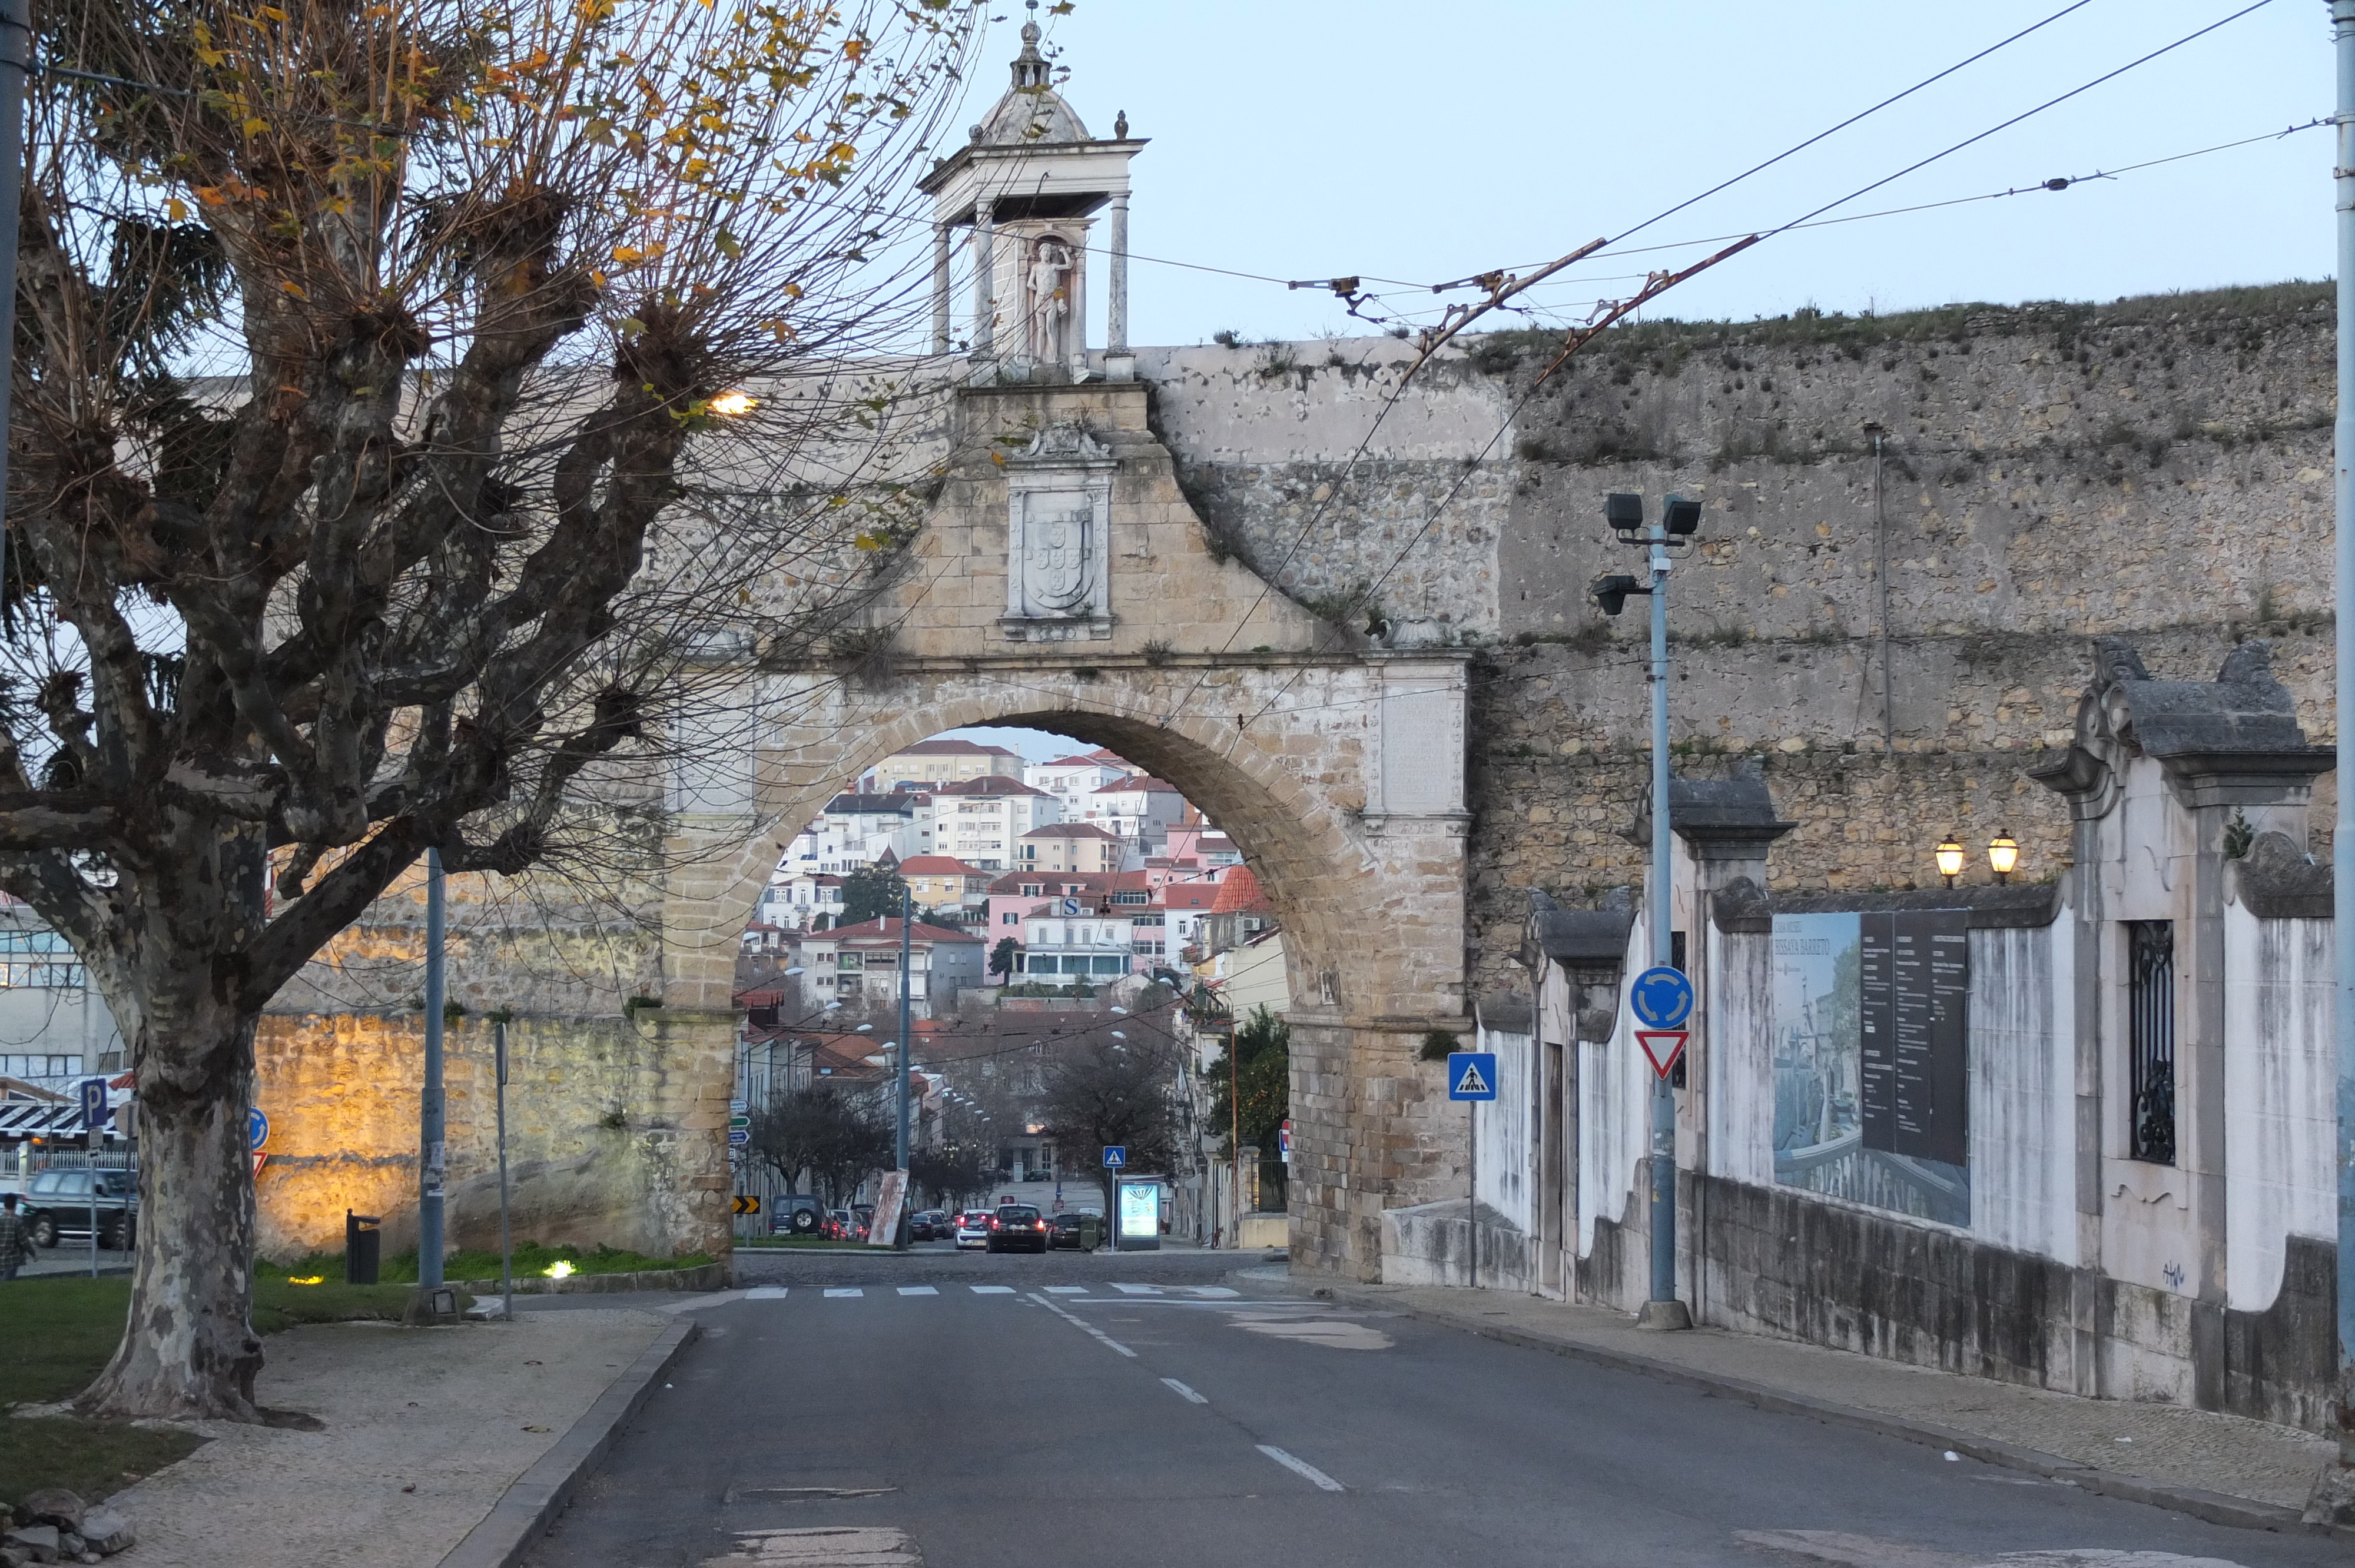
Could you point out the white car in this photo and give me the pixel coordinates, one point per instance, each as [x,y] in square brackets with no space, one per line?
[972,1228]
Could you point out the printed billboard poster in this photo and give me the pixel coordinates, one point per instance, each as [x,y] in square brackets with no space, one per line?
[1872,1059]
[1140,1208]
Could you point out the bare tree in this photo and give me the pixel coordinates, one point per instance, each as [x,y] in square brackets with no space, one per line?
[832,1131]
[1115,1085]
[413,403]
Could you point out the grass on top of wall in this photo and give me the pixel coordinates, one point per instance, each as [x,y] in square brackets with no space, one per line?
[482,1263]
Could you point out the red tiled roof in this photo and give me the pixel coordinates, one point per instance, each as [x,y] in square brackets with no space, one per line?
[954,747]
[1238,893]
[937,865]
[877,929]
[990,784]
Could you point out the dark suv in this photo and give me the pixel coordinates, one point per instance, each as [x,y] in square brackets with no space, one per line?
[58,1204]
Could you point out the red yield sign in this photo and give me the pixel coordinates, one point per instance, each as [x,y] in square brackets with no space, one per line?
[1663,1046]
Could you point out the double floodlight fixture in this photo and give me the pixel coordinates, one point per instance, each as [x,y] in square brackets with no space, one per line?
[1680,521]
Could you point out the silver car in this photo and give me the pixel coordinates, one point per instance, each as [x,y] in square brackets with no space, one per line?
[972,1228]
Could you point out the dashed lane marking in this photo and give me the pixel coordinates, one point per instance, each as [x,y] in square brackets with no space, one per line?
[1188,1395]
[918,1290]
[1084,1327]
[1302,1468]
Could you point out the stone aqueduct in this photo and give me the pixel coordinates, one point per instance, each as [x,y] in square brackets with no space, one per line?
[1338,771]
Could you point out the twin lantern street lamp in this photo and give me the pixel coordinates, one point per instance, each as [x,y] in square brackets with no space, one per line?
[2003,855]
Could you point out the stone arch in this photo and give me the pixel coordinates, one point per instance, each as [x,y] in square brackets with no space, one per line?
[1337,768]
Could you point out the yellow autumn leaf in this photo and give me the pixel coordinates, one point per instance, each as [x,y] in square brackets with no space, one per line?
[176,210]
[294,289]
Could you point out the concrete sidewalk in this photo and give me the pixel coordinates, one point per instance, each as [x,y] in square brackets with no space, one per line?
[2225,1469]
[426,1429]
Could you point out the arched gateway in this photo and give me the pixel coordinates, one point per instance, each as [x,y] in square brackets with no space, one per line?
[1062,581]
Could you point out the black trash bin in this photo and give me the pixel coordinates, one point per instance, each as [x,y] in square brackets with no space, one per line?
[362,1242]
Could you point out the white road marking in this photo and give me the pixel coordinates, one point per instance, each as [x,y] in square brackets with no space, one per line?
[1084,1327]
[1066,1290]
[843,1292]
[1138,1289]
[993,1290]
[1332,1333]
[1188,1395]
[918,1290]
[766,1293]
[834,1547]
[1215,1292]
[1303,1467]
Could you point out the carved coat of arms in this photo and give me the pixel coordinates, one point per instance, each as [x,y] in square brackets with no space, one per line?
[1058,566]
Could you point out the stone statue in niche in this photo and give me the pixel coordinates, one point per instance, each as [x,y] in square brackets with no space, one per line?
[1058,567]
[1050,285]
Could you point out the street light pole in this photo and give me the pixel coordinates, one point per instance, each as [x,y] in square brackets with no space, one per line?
[433,1155]
[2333,1493]
[1664,1105]
[907,1052]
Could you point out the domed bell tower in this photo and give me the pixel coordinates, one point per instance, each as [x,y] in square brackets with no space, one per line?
[1029,189]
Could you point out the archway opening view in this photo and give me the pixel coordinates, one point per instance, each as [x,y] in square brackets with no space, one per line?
[1084,962]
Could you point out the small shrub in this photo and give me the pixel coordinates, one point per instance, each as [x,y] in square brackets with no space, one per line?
[1439,1045]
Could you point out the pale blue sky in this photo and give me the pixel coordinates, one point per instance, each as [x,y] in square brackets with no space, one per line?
[1426,142]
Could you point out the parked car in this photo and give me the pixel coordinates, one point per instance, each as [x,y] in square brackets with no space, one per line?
[796,1215]
[1017,1225]
[57,1205]
[932,1224]
[843,1224]
[1066,1230]
[972,1228]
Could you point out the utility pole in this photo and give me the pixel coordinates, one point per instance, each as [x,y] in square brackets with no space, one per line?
[16,65]
[433,1157]
[1680,520]
[907,1052]
[2333,1493]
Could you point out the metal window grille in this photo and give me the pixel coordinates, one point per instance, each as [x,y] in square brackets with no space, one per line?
[2150,1039]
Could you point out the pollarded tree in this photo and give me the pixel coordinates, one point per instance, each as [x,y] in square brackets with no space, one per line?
[383,481]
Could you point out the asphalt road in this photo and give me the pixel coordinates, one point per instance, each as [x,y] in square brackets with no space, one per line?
[1049,1419]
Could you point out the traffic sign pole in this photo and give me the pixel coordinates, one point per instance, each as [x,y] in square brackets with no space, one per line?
[1664,1105]
[1662,999]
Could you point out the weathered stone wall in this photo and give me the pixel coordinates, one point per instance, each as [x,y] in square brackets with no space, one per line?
[2158,468]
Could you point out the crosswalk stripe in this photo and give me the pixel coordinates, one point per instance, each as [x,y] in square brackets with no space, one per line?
[1066,1290]
[993,1290]
[1137,1290]
[840,1292]
[918,1290]
[766,1293]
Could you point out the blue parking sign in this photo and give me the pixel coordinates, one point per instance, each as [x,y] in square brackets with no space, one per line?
[1472,1075]
[93,1104]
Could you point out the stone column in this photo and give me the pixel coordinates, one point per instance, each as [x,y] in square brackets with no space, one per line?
[1120,365]
[984,292]
[940,288]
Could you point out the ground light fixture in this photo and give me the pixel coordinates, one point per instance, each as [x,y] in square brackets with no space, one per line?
[2003,855]
[1950,855]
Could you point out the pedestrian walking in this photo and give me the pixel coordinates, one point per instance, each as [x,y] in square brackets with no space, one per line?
[16,1240]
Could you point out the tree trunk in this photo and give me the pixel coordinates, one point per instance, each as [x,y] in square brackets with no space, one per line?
[192,1350]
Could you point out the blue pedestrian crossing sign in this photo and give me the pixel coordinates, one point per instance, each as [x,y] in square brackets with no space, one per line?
[1116,1156]
[1472,1075]
[1662,998]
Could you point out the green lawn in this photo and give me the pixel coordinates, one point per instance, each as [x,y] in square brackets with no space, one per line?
[57,1331]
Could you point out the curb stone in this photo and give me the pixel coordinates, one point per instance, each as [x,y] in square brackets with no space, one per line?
[532,1503]
[2215,1508]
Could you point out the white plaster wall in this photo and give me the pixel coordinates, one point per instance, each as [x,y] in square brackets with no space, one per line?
[1739,1056]
[2280,1098]
[1506,1158]
[1614,1110]
[2022,1108]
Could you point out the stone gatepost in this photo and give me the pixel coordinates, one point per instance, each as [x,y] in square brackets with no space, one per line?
[2167,782]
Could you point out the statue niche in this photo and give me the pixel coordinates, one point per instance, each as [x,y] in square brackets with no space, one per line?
[1047,314]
